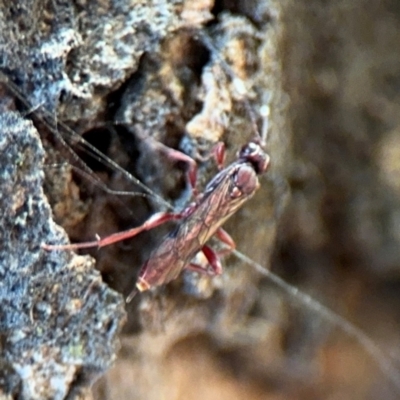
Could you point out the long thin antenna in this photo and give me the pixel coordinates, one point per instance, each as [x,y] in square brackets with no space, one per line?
[78,139]
[381,358]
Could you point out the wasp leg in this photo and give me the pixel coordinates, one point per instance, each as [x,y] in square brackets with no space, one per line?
[152,222]
[179,156]
[225,238]
[214,266]
[218,153]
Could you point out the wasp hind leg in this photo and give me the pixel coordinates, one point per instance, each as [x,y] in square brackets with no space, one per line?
[213,266]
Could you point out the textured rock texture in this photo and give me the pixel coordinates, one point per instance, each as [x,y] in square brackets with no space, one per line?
[58,320]
[134,78]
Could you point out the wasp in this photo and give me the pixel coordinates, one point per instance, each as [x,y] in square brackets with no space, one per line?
[198,222]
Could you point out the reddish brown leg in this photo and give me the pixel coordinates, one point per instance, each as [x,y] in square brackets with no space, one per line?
[226,238]
[218,152]
[212,257]
[152,222]
[213,261]
[179,156]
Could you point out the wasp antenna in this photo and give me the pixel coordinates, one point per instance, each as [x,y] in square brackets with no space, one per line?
[264,112]
[253,119]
